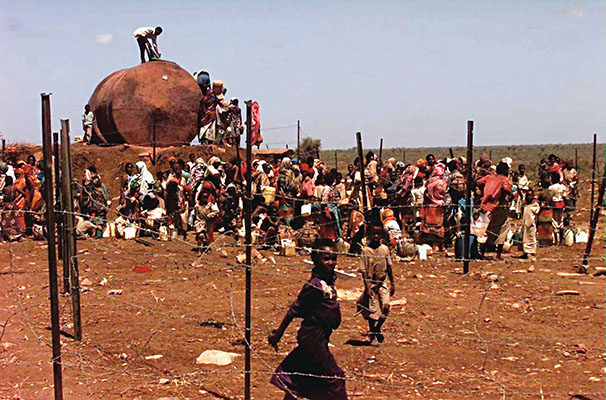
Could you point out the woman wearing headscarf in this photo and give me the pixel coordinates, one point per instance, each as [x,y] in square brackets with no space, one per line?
[197,174]
[404,199]
[11,228]
[143,182]
[287,189]
[310,370]
[177,193]
[432,212]
[329,221]
[496,197]
[3,174]
[25,187]
[206,215]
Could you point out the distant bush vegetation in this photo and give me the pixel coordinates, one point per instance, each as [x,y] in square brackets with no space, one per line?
[530,155]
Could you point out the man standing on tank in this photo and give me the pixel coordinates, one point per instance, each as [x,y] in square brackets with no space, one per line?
[143,35]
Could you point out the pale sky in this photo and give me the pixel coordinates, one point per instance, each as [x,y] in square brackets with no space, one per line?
[412,72]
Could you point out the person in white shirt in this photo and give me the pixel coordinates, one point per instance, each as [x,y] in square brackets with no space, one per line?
[558,192]
[143,35]
[529,225]
[88,118]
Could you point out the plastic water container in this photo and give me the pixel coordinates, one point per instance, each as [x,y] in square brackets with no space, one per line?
[269,193]
[163,236]
[306,210]
[110,230]
[569,237]
[130,232]
[173,234]
[287,248]
[581,237]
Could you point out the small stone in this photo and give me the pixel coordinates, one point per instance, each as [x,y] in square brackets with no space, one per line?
[163,381]
[86,282]
[581,348]
[7,345]
[216,357]
[531,268]
[569,274]
[398,302]
[557,366]
[594,379]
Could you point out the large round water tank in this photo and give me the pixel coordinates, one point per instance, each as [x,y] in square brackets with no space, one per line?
[130,104]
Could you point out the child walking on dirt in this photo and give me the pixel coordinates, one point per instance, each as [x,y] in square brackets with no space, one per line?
[310,370]
[375,266]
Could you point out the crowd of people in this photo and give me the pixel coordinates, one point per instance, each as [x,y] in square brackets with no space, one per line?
[417,204]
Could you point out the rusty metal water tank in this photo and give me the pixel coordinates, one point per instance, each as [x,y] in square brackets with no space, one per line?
[129,103]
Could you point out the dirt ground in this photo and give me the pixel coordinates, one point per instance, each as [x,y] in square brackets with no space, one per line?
[453,337]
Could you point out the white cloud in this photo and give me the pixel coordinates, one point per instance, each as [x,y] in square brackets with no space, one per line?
[104,38]
[576,12]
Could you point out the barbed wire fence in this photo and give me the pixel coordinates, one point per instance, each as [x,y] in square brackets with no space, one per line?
[478,343]
[78,355]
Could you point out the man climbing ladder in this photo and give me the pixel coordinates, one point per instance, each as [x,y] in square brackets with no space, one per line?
[143,35]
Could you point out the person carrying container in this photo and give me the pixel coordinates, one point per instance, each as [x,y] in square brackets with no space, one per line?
[143,35]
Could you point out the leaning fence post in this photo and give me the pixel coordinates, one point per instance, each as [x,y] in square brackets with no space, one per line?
[594,220]
[248,228]
[593,163]
[58,208]
[52,255]
[70,231]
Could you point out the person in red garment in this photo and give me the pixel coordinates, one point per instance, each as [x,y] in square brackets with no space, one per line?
[310,370]
[497,193]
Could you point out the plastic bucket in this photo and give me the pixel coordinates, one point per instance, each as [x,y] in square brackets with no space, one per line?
[269,194]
